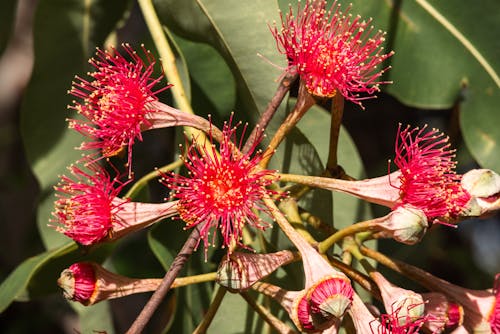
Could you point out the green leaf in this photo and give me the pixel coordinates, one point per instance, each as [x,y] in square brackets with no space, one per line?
[96,318]
[211,77]
[66,33]
[15,285]
[239,31]
[446,53]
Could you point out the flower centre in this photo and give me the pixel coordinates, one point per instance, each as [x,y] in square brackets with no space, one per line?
[225,190]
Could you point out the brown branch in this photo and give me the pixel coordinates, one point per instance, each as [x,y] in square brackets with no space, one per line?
[176,266]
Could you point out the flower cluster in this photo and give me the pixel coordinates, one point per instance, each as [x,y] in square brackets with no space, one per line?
[224,188]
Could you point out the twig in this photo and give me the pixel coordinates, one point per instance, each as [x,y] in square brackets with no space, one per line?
[271,108]
[176,266]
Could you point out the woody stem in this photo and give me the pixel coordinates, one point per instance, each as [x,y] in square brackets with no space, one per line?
[336,121]
[176,266]
[271,108]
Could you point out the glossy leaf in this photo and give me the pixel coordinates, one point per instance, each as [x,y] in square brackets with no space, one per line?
[446,53]
[238,30]
[14,287]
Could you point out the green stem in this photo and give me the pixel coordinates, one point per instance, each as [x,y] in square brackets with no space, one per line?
[194,279]
[366,226]
[169,64]
[326,244]
[355,251]
[212,310]
[364,281]
[143,181]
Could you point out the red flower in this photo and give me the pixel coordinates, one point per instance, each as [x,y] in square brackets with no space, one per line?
[89,211]
[223,191]
[116,100]
[86,204]
[428,179]
[331,51]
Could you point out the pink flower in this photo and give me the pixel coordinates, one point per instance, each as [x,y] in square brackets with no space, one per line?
[115,100]
[327,292]
[331,51]
[222,191]
[85,206]
[401,304]
[442,314]
[89,211]
[428,180]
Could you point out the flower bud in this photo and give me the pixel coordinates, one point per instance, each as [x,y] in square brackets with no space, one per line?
[239,271]
[405,224]
[89,283]
[484,187]
[481,182]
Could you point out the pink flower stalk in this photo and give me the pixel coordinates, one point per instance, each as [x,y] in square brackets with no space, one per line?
[223,191]
[331,51]
[116,100]
[89,211]
[481,307]
[89,283]
[403,304]
[428,180]
[362,318]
